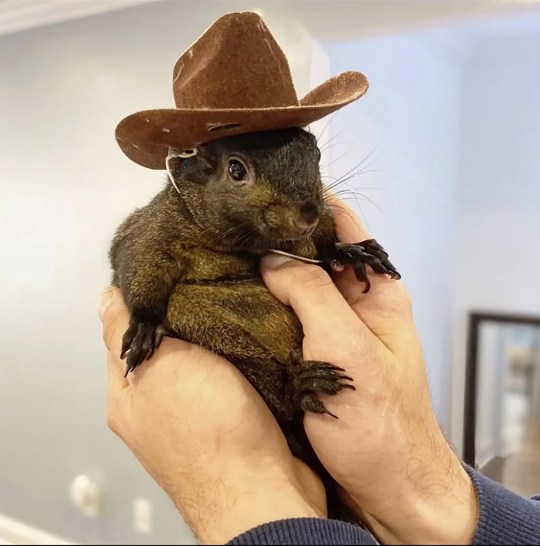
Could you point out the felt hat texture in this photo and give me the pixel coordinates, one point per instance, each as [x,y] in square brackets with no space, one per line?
[234,79]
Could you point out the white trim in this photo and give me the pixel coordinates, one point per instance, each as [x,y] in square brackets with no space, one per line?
[17,15]
[13,531]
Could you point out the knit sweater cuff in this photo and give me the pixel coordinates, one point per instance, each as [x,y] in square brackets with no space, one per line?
[305,531]
[504,517]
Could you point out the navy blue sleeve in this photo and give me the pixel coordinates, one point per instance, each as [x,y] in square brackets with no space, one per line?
[305,531]
[504,518]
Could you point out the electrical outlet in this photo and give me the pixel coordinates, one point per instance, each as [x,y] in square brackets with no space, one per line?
[143,515]
[84,494]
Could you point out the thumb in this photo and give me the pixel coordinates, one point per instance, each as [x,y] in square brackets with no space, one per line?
[309,290]
[115,318]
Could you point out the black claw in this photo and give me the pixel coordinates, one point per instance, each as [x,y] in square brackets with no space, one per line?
[140,342]
[334,367]
[375,248]
[359,255]
[314,377]
[319,370]
[329,386]
[159,335]
[127,340]
[147,345]
[322,375]
[362,276]
[314,405]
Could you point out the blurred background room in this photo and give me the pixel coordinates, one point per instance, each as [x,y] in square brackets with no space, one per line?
[444,156]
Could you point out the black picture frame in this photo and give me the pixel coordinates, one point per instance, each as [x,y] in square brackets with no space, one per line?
[476,319]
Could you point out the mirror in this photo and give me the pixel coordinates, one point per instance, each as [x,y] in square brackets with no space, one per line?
[502,400]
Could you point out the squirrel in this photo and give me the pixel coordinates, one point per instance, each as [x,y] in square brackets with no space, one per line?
[188,267]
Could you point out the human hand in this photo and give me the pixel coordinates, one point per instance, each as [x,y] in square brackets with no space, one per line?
[386,450]
[205,435]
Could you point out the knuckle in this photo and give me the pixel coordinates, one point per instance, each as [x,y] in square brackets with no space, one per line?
[112,417]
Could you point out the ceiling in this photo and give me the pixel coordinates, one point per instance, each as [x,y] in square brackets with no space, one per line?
[18,15]
[350,17]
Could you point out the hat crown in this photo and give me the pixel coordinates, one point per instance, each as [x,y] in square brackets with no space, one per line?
[236,63]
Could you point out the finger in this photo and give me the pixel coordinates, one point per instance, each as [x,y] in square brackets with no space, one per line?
[387,307]
[350,229]
[116,396]
[310,292]
[109,303]
[105,299]
[115,373]
[115,321]
[382,289]
[116,391]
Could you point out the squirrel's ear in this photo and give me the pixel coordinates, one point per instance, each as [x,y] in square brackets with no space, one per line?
[207,158]
[195,164]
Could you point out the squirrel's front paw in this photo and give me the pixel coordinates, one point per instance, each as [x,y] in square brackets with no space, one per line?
[358,255]
[141,341]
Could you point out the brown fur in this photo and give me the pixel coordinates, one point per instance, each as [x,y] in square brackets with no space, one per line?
[187,265]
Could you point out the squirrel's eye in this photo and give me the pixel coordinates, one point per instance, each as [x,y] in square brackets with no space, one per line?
[237,170]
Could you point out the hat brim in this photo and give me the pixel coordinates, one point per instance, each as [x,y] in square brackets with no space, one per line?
[146,136]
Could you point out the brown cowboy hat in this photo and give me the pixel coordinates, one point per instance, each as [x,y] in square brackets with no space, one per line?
[235,79]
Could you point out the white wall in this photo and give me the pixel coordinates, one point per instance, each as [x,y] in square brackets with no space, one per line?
[498,259]
[64,188]
[408,122]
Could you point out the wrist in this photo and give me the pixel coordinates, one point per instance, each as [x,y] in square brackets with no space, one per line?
[436,505]
[232,503]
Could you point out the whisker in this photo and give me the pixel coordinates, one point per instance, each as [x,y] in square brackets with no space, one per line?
[359,164]
[374,188]
[348,191]
[246,237]
[352,170]
[330,140]
[344,179]
[358,198]
[348,212]
[370,153]
[325,127]
[231,231]
[337,159]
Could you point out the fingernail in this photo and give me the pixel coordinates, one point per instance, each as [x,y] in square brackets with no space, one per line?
[105,300]
[273,261]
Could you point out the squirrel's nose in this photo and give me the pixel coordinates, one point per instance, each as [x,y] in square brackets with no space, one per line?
[307,220]
[309,212]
